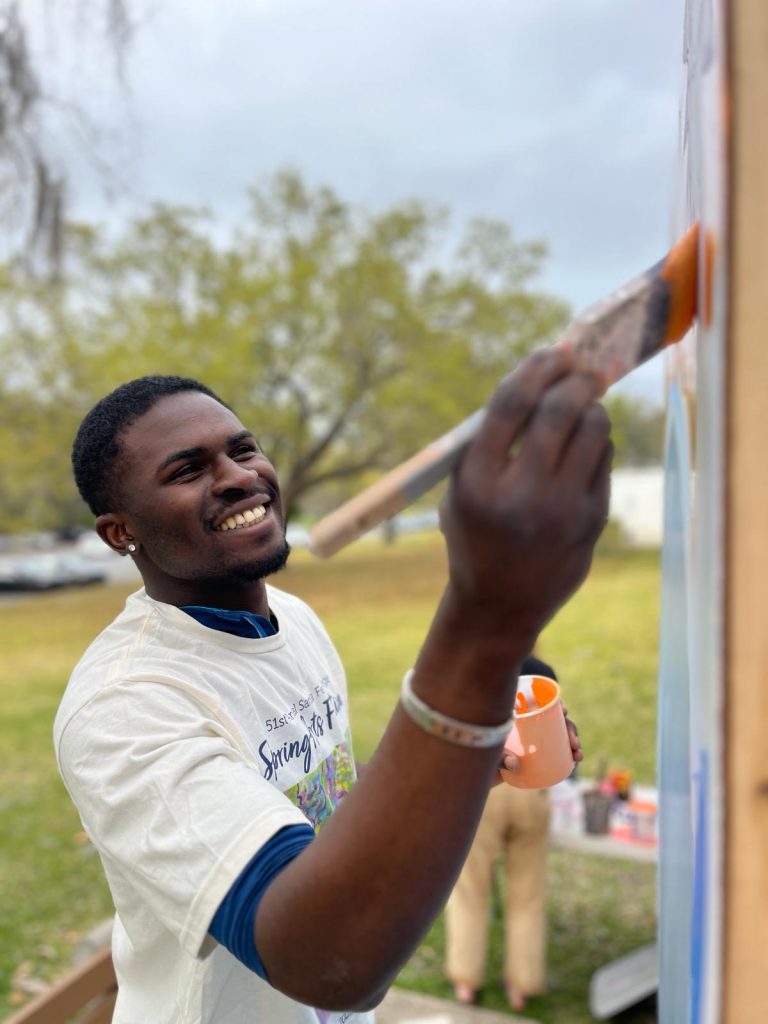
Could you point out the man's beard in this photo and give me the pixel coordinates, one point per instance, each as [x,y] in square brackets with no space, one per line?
[262,567]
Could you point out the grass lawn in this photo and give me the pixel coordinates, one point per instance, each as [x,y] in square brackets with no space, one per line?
[376,602]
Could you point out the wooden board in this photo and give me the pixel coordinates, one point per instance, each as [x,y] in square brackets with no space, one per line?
[713,777]
[745,952]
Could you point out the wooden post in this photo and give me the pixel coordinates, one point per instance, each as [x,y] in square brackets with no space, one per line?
[745,949]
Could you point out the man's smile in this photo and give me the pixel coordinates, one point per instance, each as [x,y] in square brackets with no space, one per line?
[239,520]
[249,511]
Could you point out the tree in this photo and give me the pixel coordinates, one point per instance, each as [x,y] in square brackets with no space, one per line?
[638,430]
[336,333]
[33,166]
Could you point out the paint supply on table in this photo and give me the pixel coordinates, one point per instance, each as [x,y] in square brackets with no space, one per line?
[621,781]
[642,820]
[566,809]
[598,805]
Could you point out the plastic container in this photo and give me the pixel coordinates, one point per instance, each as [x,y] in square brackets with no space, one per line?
[539,736]
[642,815]
[566,812]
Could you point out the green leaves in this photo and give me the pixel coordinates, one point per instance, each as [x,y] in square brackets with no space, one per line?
[345,339]
[638,430]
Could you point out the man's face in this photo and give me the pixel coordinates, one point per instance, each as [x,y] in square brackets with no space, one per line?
[201,500]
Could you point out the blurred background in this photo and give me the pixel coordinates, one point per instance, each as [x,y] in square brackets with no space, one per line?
[354,215]
[349,219]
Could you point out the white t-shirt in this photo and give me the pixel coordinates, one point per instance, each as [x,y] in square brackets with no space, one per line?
[185,749]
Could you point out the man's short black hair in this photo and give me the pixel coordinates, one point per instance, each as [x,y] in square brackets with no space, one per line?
[97,443]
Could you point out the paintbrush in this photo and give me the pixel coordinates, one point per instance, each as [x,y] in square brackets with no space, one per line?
[608,339]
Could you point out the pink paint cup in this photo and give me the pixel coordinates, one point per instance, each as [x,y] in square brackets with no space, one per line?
[539,736]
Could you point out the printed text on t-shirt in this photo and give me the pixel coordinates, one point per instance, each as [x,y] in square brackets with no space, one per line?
[276,756]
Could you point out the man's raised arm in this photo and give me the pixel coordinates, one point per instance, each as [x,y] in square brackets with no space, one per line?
[521,518]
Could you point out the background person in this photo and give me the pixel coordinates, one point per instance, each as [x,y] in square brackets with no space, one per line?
[204,735]
[515,826]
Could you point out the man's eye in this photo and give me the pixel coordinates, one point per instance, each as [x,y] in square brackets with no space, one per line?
[244,452]
[185,471]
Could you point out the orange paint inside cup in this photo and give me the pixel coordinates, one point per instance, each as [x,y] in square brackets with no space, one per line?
[539,737]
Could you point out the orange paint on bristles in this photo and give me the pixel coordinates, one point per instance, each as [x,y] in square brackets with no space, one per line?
[680,270]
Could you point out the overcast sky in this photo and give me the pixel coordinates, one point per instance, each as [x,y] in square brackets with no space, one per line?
[558,116]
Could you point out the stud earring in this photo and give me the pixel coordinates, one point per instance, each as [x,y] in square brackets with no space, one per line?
[131,547]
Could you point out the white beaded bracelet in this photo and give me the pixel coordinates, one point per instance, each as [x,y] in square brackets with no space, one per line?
[450,729]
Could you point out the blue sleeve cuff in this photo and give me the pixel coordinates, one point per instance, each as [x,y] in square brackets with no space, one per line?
[232,924]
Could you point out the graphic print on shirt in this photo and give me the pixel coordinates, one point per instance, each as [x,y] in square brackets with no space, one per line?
[328,1017]
[295,739]
[318,793]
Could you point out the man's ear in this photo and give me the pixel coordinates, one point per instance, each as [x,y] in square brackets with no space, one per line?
[114,532]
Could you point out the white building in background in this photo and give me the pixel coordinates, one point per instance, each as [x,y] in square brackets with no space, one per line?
[637,507]
[637,504]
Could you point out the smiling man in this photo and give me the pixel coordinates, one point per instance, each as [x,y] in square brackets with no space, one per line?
[204,735]
[199,500]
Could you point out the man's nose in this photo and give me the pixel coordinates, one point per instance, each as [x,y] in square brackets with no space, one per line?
[231,475]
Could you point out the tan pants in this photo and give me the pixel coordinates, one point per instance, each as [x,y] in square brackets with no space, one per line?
[517,822]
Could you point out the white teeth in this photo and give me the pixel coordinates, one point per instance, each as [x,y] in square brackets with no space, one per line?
[240,519]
